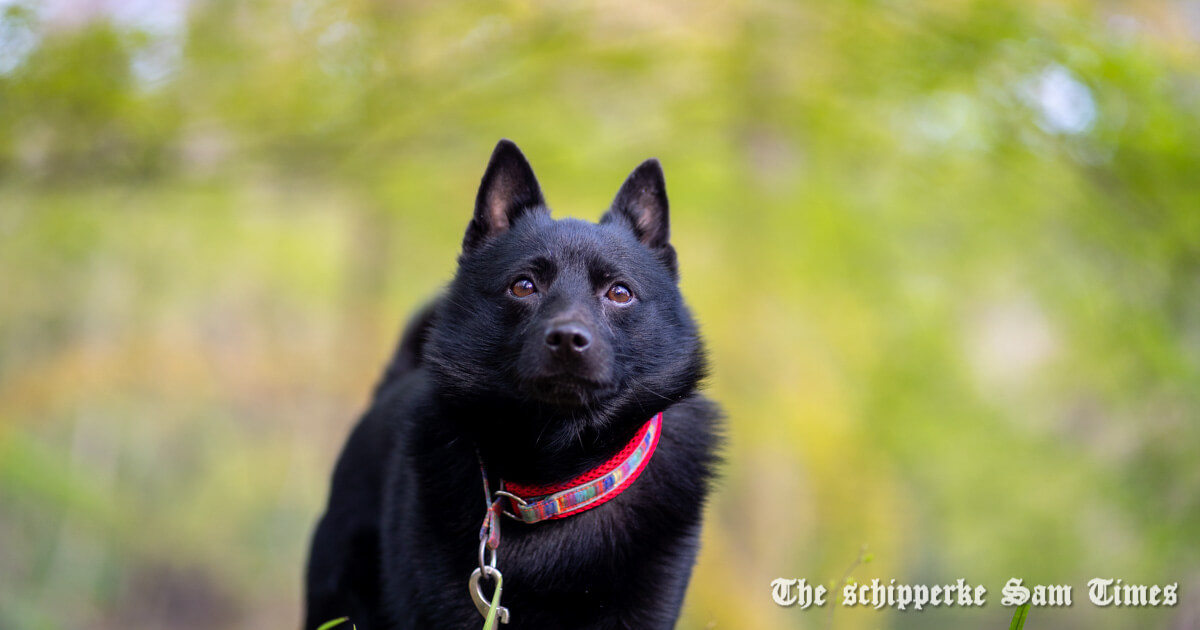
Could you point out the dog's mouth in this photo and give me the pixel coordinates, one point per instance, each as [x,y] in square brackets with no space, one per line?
[568,390]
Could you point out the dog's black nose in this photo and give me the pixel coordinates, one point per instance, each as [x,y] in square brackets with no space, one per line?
[568,337]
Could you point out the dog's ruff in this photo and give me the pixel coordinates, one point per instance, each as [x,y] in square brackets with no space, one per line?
[533,504]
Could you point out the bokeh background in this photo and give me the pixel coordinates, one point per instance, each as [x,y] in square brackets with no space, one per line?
[946,255]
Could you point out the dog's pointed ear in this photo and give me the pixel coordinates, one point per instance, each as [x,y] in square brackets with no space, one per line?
[641,205]
[508,190]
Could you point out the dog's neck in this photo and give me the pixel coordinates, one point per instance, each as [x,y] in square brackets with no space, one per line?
[539,446]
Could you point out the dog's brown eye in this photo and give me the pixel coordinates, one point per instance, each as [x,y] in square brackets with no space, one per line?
[620,294]
[523,288]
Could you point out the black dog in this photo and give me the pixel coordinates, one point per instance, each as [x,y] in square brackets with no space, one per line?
[550,355]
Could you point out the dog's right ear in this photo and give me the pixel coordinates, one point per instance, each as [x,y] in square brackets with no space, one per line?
[508,190]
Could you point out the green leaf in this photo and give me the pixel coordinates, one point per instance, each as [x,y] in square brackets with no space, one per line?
[1018,620]
[490,622]
[334,622]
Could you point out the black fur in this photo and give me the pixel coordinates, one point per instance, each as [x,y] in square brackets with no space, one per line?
[543,387]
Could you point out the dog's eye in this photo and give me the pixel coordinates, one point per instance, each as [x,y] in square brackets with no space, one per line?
[523,288]
[620,294]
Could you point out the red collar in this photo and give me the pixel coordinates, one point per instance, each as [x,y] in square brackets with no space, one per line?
[533,504]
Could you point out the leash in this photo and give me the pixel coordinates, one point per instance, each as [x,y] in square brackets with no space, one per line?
[489,540]
[534,504]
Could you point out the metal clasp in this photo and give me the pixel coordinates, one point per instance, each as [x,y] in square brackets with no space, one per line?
[481,602]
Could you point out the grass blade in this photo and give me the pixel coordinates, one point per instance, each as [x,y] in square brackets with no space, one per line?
[1019,617]
[333,622]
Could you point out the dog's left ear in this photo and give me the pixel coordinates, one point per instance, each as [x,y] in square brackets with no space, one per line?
[508,190]
[641,205]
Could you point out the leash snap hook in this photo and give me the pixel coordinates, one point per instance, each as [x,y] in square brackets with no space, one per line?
[481,603]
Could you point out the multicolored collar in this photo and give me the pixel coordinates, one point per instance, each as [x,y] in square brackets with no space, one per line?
[533,504]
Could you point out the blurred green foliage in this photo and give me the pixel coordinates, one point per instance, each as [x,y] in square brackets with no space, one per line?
[946,256]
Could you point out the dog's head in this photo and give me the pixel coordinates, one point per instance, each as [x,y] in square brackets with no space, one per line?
[565,318]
